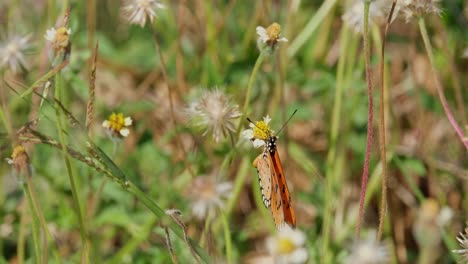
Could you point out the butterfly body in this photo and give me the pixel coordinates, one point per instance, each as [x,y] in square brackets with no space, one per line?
[273,186]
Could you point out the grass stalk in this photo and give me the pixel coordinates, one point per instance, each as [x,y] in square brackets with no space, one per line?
[77,207]
[331,156]
[153,207]
[365,173]
[311,27]
[171,102]
[21,234]
[35,228]
[440,90]
[382,129]
[258,62]
[227,238]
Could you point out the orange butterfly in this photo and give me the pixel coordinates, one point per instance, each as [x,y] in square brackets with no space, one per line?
[273,186]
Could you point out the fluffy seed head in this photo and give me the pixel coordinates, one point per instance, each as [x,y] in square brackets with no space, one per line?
[214,112]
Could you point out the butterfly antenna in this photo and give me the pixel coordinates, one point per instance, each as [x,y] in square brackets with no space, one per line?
[248,119]
[287,121]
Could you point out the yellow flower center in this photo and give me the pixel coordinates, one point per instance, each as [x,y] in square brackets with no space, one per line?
[273,31]
[285,246]
[261,130]
[18,150]
[61,36]
[116,122]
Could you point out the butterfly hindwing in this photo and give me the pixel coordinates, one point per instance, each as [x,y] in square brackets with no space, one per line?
[264,170]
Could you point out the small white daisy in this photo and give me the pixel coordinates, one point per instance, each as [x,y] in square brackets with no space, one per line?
[287,246]
[270,36]
[258,132]
[138,11]
[59,39]
[117,125]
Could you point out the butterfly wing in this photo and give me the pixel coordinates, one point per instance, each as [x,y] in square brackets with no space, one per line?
[264,169]
[281,199]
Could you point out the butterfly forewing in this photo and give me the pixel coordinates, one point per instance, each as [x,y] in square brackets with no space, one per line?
[282,192]
[264,170]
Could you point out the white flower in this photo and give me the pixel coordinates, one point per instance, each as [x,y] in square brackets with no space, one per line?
[270,36]
[138,11]
[354,15]
[214,112]
[117,125]
[368,251]
[463,241]
[258,132]
[12,53]
[287,246]
[59,38]
[208,196]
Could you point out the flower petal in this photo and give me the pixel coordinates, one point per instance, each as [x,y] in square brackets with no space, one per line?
[258,143]
[106,124]
[124,132]
[128,121]
[248,134]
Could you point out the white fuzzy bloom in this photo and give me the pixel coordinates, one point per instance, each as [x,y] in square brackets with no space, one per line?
[368,251]
[463,241]
[354,15]
[208,196]
[214,112]
[138,11]
[12,53]
[410,9]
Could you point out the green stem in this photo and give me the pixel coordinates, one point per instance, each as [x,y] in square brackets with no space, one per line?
[131,245]
[142,197]
[331,157]
[40,216]
[249,90]
[443,100]
[34,224]
[311,27]
[21,236]
[71,177]
[227,238]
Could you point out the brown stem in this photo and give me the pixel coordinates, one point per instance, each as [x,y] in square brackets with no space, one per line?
[383,142]
[365,173]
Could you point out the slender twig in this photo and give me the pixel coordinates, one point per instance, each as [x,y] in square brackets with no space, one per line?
[440,90]
[382,130]
[171,102]
[365,173]
[331,156]
[170,247]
